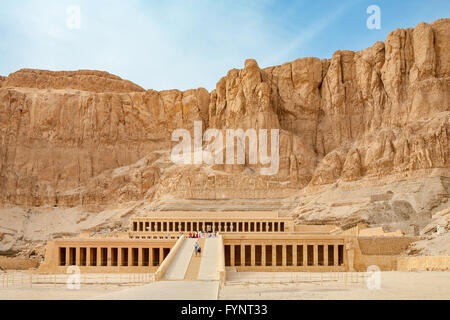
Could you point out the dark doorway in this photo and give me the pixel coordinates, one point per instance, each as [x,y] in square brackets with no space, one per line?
[258,256]
[237,256]
[310,255]
[330,255]
[279,253]
[300,255]
[269,256]
[62,256]
[248,256]
[289,255]
[227,256]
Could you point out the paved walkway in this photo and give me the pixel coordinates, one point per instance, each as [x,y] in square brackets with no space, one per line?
[168,290]
[210,260]
[178,267]
[194,265]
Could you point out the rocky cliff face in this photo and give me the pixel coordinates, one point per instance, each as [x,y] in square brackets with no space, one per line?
[82,138]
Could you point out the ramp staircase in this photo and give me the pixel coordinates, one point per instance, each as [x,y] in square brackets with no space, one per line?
[209,267]
[178,267]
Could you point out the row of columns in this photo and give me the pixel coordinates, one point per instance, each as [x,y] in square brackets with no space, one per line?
[337,255]
[103,256]
[196,226]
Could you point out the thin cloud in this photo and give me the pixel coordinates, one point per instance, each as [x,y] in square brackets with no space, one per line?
[305,35]
[183,44]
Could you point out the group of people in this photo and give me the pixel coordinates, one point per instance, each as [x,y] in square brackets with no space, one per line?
[197,235]
[194,235]
[200,234]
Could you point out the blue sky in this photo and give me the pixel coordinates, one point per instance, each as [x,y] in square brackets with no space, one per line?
[189,44]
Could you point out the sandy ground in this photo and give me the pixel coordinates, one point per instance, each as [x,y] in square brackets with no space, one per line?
[393,285]
[255,286]
[168,290]
[48,292]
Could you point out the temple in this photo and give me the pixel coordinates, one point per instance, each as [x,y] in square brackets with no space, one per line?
[163,243]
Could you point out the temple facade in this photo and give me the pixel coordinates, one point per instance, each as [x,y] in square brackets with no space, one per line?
[249,241]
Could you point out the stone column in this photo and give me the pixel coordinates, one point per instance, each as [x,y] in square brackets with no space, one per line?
[284,256]
[68,256]
[316,255]
[305,255]
[161,255]
[253,255]
[130,257]
[336,258]
[109,258]
[232,255]
[325,255]
[350,248]
[294,255]
[140,257]
[99,257]
[242,255]
[274,255]
[263,255]
[77,256]
[88,256]
[150,257]
[119,256]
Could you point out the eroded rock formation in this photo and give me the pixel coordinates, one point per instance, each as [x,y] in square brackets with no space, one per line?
[82,138]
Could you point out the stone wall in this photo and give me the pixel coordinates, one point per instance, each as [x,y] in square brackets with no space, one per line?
[424,263]
[384,245]
[7,263]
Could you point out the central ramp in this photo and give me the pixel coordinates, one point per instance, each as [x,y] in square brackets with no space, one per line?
[194,265]
[209,266]
[178,267]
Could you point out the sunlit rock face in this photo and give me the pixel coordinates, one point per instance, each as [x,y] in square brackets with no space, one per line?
[92,138]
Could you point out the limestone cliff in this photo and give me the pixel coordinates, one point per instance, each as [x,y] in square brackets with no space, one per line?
[371,117]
